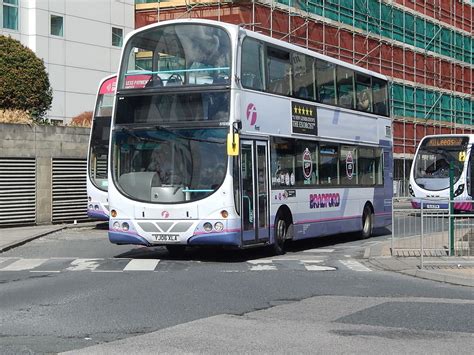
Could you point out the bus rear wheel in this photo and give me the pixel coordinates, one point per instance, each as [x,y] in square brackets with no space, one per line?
[176,250]
[367,222]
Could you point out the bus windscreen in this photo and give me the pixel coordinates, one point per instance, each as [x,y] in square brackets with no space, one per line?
[433,160]
[177,55]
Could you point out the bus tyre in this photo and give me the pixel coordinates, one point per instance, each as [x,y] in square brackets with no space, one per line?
[281,229]
[367,222]
[176,250]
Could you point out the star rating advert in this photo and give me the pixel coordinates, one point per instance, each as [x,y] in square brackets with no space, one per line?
[304,118]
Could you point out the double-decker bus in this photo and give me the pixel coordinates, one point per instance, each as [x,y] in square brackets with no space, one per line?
[97,181]
[429,174]
[237,139]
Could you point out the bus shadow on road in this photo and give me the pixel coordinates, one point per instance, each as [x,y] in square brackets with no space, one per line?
[226,255]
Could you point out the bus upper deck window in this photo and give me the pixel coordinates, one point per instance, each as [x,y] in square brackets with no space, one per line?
[379,90]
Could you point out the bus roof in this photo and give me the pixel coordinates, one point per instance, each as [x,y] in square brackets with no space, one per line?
[236,28]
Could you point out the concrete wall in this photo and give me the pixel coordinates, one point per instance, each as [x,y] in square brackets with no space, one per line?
[44,143]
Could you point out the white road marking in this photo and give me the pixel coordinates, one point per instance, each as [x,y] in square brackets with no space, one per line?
[319,268]
[24,264]
[141,265]
[311,261]
[263,268]
[263,261]
[318,251]
[354,265]
[84,264]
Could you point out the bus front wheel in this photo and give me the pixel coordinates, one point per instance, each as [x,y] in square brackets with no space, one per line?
[367,222]
[281,230]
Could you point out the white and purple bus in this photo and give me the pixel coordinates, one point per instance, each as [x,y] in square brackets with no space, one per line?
[429,174]
[97,181]
[237,139]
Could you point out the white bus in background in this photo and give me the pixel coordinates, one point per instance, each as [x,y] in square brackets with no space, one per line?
[97,181]
[237,139]
[429,174]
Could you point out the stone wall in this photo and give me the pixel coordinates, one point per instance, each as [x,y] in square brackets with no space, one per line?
[44,143]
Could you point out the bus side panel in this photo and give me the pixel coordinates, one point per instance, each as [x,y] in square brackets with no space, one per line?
[318,212]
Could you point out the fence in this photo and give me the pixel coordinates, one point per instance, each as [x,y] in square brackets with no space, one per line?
[400,188]
[424,231]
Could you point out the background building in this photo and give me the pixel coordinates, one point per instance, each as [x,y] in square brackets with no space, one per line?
[79,41]
[425,47]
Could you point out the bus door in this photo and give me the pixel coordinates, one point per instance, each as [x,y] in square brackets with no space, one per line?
[255,200]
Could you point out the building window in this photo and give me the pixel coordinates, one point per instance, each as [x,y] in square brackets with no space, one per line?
[56,25]
[117,37]
[10,14]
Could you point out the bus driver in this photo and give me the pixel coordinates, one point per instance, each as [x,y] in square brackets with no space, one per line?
[160,161]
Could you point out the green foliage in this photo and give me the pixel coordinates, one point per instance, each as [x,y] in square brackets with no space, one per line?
[24,82]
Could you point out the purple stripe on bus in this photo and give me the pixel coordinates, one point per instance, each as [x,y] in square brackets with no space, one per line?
[126,238]
[224,231]
[231,239]
[327,219]
[98,215]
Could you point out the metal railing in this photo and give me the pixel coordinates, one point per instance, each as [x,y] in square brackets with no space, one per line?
[400,188]
[429,229]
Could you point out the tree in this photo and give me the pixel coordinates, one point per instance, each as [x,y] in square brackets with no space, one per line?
[82,120]
[24,82]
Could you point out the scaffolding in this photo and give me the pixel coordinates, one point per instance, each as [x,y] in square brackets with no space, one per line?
[426,48]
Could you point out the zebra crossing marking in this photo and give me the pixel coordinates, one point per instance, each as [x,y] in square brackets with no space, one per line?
[355,265]
[84,264]
[97,265]
[259,267]
[141,265]
[24,264]
[318,250]
[319,268]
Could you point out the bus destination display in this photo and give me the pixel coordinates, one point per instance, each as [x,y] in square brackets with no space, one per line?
[446,142]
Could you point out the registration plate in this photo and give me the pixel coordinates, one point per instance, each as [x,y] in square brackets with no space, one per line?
[166,237]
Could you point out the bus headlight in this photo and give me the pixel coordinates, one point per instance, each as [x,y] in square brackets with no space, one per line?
[91,207]
[125,226]
[116,225]
[459,190]
[96,207]
[207,227]
[218,226]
